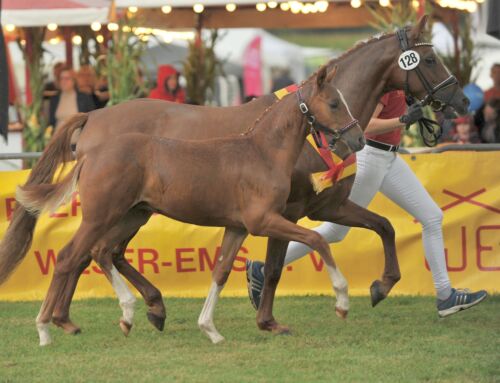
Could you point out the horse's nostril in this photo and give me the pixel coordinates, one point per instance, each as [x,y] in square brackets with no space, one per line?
[466,101]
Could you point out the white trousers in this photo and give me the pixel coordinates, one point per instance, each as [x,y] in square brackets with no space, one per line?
[385,171]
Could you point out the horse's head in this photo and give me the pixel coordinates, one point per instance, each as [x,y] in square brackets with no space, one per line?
[328,113]
[423,74]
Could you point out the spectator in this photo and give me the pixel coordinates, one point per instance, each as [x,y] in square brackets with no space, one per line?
[282,80]
[68,100]
[493,92]
[167,86]
[465,132]
[52,87]
[86,79]
[101,92]
[487,119]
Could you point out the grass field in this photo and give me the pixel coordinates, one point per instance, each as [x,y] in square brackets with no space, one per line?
[402,340]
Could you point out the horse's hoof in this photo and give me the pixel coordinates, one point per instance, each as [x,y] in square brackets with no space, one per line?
[341,313]
[156,321]
[376,293]
[125,327]
[274,327]
[67,326]
[281,330]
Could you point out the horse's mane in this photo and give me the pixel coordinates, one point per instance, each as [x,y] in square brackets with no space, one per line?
[360,44]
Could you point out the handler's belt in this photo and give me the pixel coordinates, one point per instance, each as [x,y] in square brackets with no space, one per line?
[382,146]
[337,168]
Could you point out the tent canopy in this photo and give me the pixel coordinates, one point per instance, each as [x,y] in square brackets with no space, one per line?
[32,13]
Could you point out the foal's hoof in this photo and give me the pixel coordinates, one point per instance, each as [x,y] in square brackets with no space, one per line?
[125,327]
[376,293]
[67,326]
[157,321]
[341,313]
[275,328]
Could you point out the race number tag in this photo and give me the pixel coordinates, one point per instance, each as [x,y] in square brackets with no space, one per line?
[409,60]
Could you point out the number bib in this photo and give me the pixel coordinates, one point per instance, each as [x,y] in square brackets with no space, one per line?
[409,60]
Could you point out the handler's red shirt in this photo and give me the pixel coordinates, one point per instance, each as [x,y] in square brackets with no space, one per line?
[394,106]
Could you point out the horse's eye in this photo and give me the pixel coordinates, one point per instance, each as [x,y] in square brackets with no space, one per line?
[430,60]
[334,104]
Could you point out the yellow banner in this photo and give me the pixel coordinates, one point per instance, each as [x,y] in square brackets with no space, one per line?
[178,258]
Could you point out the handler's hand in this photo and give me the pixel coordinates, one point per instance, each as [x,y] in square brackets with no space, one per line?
[413,114]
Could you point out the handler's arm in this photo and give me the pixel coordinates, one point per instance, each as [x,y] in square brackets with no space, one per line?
[379,125]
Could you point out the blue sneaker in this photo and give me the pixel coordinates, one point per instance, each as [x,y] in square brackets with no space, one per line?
[459,300]
[255,281]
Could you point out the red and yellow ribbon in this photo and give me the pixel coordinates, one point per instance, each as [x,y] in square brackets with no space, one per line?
[337,168]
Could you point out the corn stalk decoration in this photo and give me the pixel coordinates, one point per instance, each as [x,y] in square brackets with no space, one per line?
[34,124]
[462,61]
[122,63]
[200,69]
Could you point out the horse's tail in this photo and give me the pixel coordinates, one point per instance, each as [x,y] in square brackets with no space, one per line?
[17,239]
[37,198]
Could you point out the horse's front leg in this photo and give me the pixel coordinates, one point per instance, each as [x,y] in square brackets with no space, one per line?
[231,244]
[351,214]
[275,226]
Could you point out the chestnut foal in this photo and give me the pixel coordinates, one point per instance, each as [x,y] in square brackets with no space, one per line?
[252,173]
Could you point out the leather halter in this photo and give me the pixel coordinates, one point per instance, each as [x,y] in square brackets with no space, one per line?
[317,127]
[429,134]
[429,99]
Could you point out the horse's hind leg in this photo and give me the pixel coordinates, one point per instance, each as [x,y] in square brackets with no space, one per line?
[351,214]
[275,258]
[102,255]
[152,296]
[120,234]
[67,267]
[231,244]
[60,317]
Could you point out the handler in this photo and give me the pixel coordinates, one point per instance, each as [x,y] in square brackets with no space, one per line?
[380,168]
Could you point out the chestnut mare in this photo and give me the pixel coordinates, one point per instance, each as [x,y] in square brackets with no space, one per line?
[252,177]
[371,65]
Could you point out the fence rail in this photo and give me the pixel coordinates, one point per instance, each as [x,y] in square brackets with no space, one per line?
[441,149]
[20,156]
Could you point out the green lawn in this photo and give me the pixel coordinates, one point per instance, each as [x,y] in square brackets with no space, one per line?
[402,340]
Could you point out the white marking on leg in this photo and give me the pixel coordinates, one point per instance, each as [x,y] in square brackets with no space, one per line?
[206,318]
[125,296]
[43,331]
[340,287]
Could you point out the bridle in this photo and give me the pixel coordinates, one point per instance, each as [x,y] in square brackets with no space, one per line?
[316,127]
[430,135]
[429,99]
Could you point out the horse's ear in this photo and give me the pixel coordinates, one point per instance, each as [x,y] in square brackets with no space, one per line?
[321,77]
[418,29]
[331,74]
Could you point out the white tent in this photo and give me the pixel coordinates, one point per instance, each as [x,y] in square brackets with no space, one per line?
[32,13]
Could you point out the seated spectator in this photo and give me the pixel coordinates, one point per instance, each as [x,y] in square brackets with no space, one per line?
[68,100]
[487,119]
[464,132]
[494,91]
[167,86]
